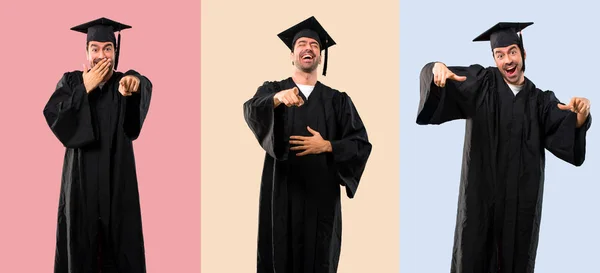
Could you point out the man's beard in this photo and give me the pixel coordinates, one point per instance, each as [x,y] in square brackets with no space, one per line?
[309,69]
[300,66]
[514,74]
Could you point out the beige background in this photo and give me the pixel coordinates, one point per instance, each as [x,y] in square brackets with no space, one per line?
[240,50]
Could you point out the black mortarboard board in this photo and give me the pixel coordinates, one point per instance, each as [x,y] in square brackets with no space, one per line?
[503,34]
[310,28]
[103,30]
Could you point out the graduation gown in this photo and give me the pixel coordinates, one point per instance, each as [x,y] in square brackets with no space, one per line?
[502,179]
[300,221]
[99,220]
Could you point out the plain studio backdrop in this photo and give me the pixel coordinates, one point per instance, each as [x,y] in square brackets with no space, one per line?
[562,56]
[241,50]
[37,48]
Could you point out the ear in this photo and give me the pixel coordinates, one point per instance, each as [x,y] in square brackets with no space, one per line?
[524,55]
[87,51]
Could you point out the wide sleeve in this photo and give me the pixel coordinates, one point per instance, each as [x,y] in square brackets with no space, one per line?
[137,106]
[561,135]
[68,114]
[457,100]
[352,148]
[267,122]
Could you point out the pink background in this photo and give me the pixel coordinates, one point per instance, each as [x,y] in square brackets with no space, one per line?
[37,48]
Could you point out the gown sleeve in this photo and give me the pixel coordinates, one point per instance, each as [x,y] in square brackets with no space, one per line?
[267,122]
[68,113]
[137,106]
[562,138]
[457,100]
[352,148]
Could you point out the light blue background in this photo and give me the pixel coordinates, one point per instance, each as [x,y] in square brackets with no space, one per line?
[563,56]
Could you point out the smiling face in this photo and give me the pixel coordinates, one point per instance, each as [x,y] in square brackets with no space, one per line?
[306,55]
[510,63]
[96,51]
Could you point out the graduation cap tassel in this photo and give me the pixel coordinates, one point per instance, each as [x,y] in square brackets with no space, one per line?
[118,51]
[522,50]
[326,55]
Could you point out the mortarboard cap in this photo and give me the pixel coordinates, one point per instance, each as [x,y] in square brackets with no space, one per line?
[503,34]
[310,28]
[103,30]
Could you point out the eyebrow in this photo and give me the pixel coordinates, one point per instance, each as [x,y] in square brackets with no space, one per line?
[509,49]
[94,45]
[305,41]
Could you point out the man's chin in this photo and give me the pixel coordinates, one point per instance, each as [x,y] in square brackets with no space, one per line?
[309,69]
[514,80]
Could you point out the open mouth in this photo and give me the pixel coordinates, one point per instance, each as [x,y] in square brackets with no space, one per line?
[511,71]
[307,57]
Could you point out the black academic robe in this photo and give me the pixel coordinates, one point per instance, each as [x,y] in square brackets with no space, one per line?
[99,219]
[300,221]
[502,180]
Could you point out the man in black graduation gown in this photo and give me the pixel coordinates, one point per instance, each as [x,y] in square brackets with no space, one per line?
[315,141]
[510,123]
[96,114]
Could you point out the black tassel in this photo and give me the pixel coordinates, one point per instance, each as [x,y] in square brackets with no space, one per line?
[118,51]
[326,55]
[522,50]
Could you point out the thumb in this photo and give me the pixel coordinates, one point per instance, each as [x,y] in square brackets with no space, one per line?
[295,90]
[458,78]
[311,130]
[564,107]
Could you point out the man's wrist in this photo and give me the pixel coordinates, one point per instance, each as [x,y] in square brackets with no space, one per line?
[328,147]
[276,102]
